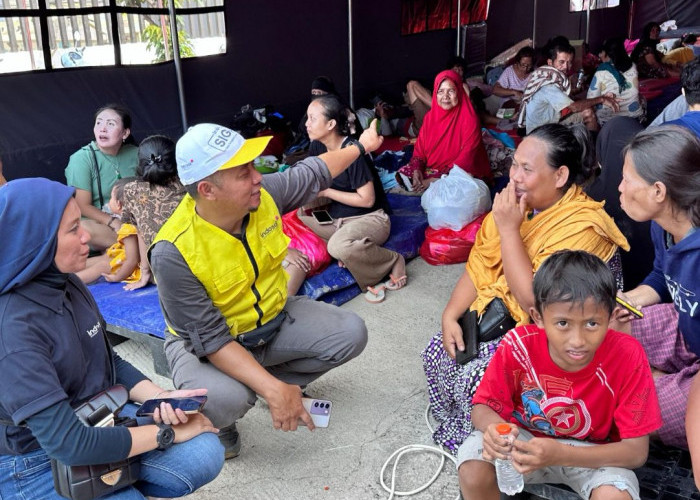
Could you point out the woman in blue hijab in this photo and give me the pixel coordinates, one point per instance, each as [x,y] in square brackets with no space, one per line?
[54,356]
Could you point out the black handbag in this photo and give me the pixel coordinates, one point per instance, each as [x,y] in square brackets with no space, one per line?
[85,482]
[494,322]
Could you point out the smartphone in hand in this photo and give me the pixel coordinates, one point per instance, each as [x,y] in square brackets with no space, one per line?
[189,405]
[319,409]
[629,307]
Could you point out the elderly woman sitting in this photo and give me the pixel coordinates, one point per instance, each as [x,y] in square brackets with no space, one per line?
[450,135]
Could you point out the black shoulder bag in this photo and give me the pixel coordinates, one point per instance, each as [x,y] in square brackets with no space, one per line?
[494,322]
[86,482]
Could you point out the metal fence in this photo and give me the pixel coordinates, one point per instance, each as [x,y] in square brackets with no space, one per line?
[23,33]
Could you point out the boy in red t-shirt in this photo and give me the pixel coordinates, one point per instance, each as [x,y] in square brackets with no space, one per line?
[579,397]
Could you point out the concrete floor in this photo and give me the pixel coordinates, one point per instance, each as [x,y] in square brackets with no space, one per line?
[379,402]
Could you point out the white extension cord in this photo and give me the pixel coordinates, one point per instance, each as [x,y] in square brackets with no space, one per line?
[414,448]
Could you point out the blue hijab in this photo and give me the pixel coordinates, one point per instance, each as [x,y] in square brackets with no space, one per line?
[30,213]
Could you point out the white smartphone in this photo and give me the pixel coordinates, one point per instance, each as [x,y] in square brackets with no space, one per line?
[322,217]
[319,409]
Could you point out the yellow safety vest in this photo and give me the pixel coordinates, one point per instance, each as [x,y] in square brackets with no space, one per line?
[243,276]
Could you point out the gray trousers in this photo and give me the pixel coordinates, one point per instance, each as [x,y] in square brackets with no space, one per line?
[321,337]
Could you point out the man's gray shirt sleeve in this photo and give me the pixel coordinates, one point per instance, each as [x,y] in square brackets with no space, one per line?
[299,184]
[186,307]
[545,106]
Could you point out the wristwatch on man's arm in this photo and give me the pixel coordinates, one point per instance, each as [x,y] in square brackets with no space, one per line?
[359,145]
[165,437]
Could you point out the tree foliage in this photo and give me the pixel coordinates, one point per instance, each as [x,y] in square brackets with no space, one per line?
[157,36]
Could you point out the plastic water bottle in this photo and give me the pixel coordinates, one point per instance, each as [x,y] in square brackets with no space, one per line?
[510,481]
[579,79]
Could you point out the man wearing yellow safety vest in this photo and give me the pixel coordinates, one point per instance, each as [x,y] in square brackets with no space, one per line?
[222,287]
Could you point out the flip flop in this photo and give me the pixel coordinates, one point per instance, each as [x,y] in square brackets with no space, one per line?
[394,283]
[375,294]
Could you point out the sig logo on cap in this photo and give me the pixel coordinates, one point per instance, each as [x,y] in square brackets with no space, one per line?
[221,138]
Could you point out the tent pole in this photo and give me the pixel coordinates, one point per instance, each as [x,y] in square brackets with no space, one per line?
[350,70]
[459,20]
[534,23]
[588,18]
[629,19]
[178,67]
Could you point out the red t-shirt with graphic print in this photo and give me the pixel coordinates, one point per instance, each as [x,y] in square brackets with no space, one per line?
[610,399]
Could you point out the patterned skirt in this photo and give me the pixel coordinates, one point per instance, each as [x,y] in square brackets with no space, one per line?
[451,388]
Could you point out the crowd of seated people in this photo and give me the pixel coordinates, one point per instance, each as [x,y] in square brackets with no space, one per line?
[544,228]
[547,96]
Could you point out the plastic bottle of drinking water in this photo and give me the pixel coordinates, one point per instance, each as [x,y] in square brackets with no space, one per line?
[510,481]
[579,79]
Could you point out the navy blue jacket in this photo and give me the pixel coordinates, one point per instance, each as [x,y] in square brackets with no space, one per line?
[676,278]
[53,350]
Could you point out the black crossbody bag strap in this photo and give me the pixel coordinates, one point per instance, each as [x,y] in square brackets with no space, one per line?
[96,169]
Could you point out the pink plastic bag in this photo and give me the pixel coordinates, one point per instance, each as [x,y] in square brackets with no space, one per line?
[307,242]
[445,246]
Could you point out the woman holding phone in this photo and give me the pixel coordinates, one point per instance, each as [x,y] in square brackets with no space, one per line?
[54,356]
[358,207]
[660,183]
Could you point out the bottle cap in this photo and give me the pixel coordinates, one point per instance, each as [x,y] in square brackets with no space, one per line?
[503,429]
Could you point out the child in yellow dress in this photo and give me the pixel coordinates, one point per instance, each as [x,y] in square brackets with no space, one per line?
[121,261]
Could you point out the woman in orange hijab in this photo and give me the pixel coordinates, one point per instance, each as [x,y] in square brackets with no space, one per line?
[450,135]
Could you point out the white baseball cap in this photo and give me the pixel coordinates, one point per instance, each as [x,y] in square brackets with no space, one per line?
[207,148]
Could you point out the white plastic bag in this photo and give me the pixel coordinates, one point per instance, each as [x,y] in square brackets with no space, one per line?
[455,200]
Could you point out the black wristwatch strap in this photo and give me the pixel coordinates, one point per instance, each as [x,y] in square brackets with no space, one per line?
[165,437]
[359,146]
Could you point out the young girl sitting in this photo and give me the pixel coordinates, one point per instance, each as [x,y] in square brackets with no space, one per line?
[121,261]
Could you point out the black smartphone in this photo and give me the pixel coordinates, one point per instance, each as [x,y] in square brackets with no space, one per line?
[322,217]
[192,404]
[630,307]
[468,322]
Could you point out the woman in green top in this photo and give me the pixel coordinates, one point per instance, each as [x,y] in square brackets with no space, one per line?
[94,168]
